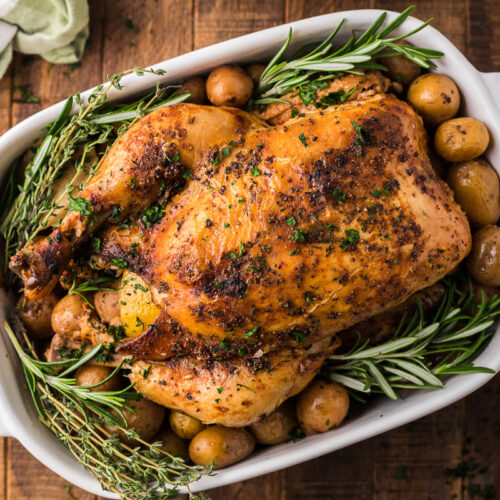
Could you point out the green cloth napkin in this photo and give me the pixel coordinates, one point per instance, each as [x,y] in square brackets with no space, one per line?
[54,29]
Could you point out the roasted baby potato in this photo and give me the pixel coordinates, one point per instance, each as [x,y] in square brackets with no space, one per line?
[401,69]
[322,406]
[477,189]
[36,315]
[172,443]
[229,86]
[196,87]
[146,420]
[435,97]
[183,425]
[68,313]
[275,428]
[88,375]
[255,71]
[483,262]
[137,309]
[461,139]
[224,445]
[107,305]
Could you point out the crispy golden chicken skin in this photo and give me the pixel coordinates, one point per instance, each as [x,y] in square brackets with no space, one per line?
[281,238]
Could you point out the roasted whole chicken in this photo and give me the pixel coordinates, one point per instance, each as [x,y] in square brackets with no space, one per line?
[268,241]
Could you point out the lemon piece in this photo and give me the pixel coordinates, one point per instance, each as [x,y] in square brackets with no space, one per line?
[137,310]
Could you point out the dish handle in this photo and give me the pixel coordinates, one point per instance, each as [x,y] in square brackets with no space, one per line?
[492,81]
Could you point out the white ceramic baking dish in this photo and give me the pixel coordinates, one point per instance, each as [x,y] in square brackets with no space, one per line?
[481,97]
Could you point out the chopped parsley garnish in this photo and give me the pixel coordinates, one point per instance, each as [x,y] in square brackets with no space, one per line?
[152,215]
[119,262]
[298,235]
[251,332]
[187,174]
[130,26]
[138,286]
[255,172]
[80,205]
[351,239]
[359,134]
[307,93]
[246,387]
[220,389]
[376,192]
[225,152]
[333,98]
[224,344]
[303,140]
[174,158]
[338,194]
[26,95]
[96,244]
[291,221]
[295,113]
[299,337]
[400,472]
[217,160]
[116,212]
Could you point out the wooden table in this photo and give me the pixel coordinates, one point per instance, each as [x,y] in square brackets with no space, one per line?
[408,463]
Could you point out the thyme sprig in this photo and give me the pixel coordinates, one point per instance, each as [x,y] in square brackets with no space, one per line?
[423,350]
[71,138]
[77,415]
[325,62]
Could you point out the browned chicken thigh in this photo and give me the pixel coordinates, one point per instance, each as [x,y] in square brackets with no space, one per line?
[282,237]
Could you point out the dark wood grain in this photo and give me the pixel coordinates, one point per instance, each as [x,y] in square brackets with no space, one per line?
[408,463]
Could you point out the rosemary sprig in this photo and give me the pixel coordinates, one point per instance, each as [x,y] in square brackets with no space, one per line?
[76,415]
[327,62]
[91,285]
[423,350]
[93,126]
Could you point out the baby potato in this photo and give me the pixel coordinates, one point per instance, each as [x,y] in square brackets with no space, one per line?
[137,309]
[107,305]
[224,445]
[321,406]
[461,139]
[172,443]
[435,97]
[146,419]
[88,375]
[255,71]
[36,314]
[275,428]
[483,262]
[196,87]
[229,86]
[183,425]
[68,313]
[477,189]
[400,68]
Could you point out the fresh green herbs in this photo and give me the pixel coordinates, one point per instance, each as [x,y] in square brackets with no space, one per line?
[72,142]
[80,205]
[77,416]
[424,349]
[325,61]
[303,140]
[92,285]
[359,129]
[350,239]
[26,94]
